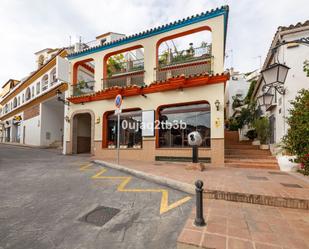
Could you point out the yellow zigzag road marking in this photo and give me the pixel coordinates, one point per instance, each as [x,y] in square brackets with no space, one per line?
[164,207]
[85,166]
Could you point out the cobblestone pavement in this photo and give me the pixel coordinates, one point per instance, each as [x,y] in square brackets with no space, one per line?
[44,194]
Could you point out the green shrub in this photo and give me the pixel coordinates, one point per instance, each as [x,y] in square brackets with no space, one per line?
[262,128]
[296,141]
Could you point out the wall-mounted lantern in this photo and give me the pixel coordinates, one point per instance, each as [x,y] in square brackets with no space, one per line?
[217,104]
[98,120]
[60,98]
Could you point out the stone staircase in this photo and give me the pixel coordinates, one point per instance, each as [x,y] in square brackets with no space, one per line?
[242,154]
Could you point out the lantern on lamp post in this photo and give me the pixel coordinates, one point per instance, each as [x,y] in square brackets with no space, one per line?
[265,99]
[275,75]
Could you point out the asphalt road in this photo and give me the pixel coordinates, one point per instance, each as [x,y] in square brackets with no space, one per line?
[43,196]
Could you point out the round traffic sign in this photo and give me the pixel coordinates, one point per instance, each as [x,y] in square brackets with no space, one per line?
[118,101]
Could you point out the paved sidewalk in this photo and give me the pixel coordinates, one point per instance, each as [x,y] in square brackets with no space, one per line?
[234,180]
[232,225]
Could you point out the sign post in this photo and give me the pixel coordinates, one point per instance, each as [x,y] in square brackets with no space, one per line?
[118,102]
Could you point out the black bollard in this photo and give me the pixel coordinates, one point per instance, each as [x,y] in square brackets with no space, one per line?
[199,219]
[194,154]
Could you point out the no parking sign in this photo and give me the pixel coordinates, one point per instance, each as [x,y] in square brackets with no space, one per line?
[118,101]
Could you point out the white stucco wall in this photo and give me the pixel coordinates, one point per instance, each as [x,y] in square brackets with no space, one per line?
[294,58]
[32,129]
[236,85]
[216,25]
[51,122]
[210,93]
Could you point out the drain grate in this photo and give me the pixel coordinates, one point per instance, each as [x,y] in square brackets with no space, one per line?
[100,215]
[258,178]
[277,173]
[290,185]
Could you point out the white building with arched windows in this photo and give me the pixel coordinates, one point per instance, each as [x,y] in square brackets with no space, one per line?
[31,114]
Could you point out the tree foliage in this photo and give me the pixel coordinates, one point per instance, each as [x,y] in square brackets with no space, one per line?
[296,141]
[306,67]
[250,92]
[115,64]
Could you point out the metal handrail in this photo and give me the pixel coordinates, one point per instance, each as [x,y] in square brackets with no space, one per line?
[129,66]
[184,56]
[126,79]
[82,88]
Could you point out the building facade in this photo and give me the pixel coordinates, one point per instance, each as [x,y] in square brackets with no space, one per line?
[30,112]
[166,87]
[293,55]
[237,87]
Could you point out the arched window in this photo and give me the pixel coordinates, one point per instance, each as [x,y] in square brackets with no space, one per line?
[18,101]
[6,108]
[188,117]
[41,60]
[15,102]
[130,130]
[45,82]
[32,91]
[28,94]
[53,79]
[38,88]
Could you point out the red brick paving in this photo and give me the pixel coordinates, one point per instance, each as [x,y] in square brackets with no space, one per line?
[232,225]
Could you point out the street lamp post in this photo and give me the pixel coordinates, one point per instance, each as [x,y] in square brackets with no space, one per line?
[275,74]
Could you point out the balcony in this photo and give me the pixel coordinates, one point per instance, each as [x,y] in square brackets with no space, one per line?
[83,88]
[185,62]
[125,74]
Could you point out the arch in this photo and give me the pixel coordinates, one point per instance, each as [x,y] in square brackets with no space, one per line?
[52,76]
[75,68]
[41,60]
[159,108]
[114,53]
[44,82]
[28,94]
[15,102]
[72,131]
[184,33]
[105,125]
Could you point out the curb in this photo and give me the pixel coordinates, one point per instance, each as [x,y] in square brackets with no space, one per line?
[184,187]
[265,200]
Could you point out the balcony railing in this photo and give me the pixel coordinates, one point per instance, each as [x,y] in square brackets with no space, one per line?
[186,62]
[126,79]
[186,69]
[82,88]
[169,58]
[125,67]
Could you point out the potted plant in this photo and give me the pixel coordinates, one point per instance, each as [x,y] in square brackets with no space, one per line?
[262,128]
[111,145]
[137,146]
[251,134]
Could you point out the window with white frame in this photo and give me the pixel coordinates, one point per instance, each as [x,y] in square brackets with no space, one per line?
[45,82]
[53,79]
[28,94]
[32,91]
[15,102]
[38,88]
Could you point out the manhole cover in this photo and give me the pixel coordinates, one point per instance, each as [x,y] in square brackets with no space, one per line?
[258,178]
[100,215]
[277,173]
[290,185]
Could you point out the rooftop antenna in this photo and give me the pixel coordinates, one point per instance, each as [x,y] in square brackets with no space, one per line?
[260,60]
[230,52]
[70,41]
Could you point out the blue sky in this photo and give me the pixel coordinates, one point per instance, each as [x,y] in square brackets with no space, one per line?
[29,26]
